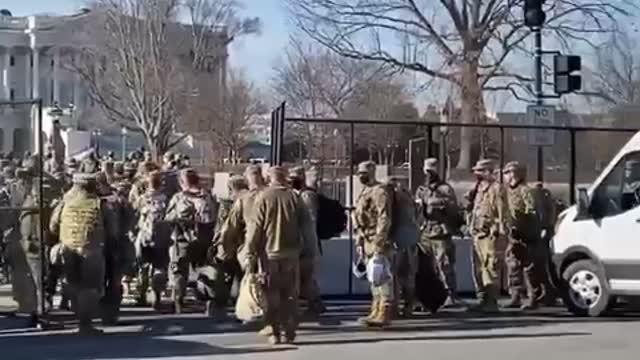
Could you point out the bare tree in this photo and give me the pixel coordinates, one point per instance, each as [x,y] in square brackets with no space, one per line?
[466,42]
[228,125]
[385,99]
[318,83]
[216,16]
[618,70]
[144,69]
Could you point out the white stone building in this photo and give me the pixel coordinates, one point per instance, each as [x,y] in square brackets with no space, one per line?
[30,51]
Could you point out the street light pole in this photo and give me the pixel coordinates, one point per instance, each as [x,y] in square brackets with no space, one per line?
[124,132]
[539,96]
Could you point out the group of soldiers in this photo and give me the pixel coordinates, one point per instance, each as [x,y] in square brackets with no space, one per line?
[509,221]
[108,222]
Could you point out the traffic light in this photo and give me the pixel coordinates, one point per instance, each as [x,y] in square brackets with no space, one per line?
[534,16]
[564,80]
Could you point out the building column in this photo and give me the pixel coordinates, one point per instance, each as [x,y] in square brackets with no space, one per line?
[6,71]
[56,75]
[27,75]
[35,73]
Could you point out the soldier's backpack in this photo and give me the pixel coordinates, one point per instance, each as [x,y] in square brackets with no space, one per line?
[430,289]
[332,218]
[151,226]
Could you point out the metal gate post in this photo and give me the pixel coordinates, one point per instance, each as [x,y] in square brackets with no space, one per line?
[351,204]
[280,118]
[274,139]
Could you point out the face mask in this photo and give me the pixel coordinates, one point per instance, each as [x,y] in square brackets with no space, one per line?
[364,178]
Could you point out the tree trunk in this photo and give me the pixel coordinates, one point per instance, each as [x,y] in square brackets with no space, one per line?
[154,148]
[472,113]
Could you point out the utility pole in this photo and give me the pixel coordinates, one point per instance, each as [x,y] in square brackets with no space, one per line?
[534,18]
[539,95]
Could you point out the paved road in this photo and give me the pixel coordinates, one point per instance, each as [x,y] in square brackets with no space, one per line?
[548,334]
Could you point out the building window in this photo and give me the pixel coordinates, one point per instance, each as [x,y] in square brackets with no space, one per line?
[2,140]
[12,61]
[52,62]
[31,60]
[12,94]
[20,141]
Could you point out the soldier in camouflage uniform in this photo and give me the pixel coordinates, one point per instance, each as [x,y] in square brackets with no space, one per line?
[232,221]
[191,217]
[523,240]
[372,218]
[139,186]
[441,219]
[488,221]
[309,288]
[278,228]
[81,222]
[152,241]
[119,214]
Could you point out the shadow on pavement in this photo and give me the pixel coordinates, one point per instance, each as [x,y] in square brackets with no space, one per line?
[75,347]
[439,338]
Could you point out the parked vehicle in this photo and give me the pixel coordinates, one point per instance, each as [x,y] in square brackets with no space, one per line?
[596,246]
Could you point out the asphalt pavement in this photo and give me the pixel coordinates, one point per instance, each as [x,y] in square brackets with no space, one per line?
[546,334]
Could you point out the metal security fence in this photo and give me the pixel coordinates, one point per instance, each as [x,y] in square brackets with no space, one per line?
[399,146]
[23,275]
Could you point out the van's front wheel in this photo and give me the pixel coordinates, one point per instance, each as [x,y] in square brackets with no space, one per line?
[585,289]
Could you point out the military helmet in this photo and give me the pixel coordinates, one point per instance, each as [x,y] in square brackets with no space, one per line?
[484,165]
[516,168]
[253,170]
[238,182]
[278,173]
[366,166]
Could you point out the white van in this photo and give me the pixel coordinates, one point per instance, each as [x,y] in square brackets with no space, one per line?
[596,246]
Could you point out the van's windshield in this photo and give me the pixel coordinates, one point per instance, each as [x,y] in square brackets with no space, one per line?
[620,190]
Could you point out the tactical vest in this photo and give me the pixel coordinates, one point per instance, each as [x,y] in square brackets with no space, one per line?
[81,223]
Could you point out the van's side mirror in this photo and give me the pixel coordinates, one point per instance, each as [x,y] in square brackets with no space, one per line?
[583,203]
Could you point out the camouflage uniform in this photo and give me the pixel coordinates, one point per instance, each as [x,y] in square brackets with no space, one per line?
[523,240]
[275,236]
[488,217]
[152,245]
[118,216]
[234,227]
[372,217]
[139,187]
[81,222]
[190,215]
[309,288]
[441,219]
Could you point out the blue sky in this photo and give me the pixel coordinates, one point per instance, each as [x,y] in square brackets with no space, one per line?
[255,54]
